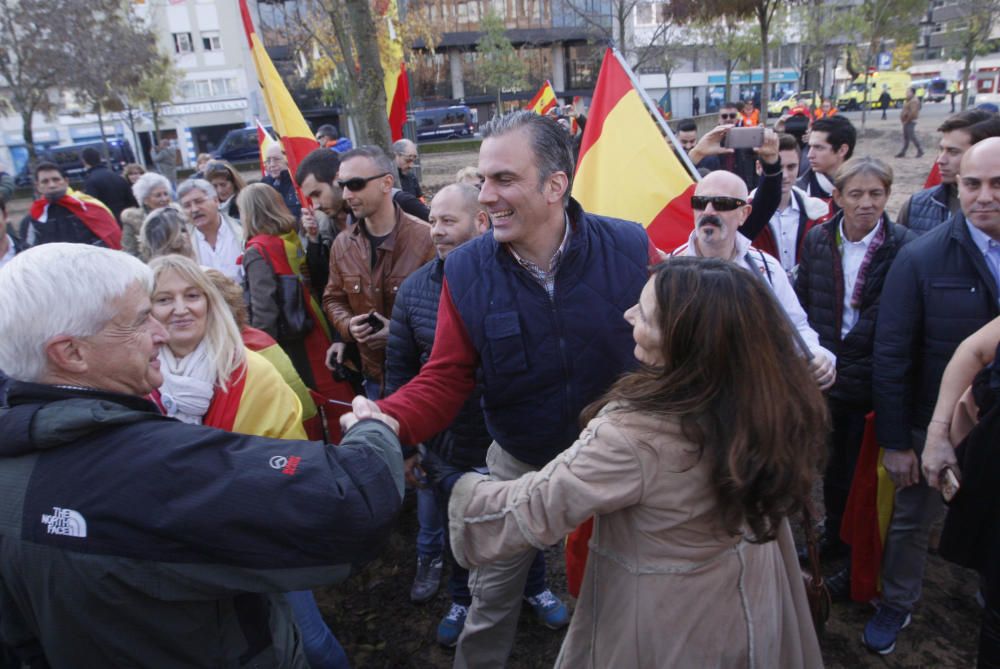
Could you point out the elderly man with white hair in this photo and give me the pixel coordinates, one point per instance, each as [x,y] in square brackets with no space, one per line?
[217,239]
[132,539]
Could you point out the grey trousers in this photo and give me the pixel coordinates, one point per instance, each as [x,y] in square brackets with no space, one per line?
[905,555]
[496,589]
[910,135]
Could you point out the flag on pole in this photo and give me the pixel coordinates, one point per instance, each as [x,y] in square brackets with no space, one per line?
[397,88]
[265,142]
[544,100]
[293,131]
[627,168]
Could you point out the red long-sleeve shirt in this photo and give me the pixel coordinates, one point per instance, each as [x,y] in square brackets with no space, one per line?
[430,401]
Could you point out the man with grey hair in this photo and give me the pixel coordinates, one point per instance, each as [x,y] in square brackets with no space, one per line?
[406,159]
[216,238]
[131,539]
[534,308]
[370,261]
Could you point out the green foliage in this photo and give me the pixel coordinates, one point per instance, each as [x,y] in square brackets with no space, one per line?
[499,65]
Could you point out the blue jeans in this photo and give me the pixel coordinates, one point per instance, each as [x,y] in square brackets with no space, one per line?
[458,577]
[322,649]
[373,389]
[430,518]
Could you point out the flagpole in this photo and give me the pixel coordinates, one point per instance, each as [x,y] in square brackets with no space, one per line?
[664,126]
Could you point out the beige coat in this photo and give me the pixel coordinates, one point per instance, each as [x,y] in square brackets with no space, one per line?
[664,585]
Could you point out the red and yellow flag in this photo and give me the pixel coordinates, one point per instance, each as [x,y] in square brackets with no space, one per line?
[296,137]
[544,100]
[397,88]
[866,516]
[627,168]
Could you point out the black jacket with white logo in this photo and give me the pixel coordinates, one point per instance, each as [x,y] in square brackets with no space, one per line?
[130,539]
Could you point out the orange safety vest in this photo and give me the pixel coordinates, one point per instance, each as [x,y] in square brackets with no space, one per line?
[751,120]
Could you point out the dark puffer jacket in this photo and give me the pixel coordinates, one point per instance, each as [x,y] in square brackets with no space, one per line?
[411,337]
[820,287]
[284,185]
[938,292]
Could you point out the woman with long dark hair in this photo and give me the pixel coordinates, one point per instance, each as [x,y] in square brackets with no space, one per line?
[690,466]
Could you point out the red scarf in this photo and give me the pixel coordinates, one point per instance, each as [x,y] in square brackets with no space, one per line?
[91,212]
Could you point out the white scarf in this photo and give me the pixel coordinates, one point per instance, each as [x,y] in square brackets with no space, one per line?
[188,383]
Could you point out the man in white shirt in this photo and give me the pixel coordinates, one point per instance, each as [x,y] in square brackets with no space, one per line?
[720,207]
[216,238]
[797,211]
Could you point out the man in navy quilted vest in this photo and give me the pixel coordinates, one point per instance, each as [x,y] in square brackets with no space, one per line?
[536,306]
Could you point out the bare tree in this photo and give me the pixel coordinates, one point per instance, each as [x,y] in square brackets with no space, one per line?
[119,56]
[977,18]
[39,58]
[762,11]
[623,12]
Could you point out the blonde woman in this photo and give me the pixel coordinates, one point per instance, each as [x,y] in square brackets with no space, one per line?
[211,378]
[278,288]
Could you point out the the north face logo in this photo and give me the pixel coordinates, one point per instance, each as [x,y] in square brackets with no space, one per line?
[65,521]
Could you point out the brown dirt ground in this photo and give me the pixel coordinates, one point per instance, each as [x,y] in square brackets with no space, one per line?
[380,628]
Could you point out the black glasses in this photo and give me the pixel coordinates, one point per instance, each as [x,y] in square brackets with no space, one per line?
[358,183]
[727,115]
[719,202]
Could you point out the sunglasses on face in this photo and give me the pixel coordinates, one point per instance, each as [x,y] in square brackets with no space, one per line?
[718,202]
[727,115]
[358,183]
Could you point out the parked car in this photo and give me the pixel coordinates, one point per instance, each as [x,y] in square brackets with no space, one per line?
[119,153]
[791,99]
[444,123]
[240,145]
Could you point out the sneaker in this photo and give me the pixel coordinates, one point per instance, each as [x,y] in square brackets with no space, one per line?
[839,585]
[881,631]
[451,625]
[549,609]
[427,580]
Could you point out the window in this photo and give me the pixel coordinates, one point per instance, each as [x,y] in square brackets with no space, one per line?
[208,88]
[211,41]
[183,43]
[650,13]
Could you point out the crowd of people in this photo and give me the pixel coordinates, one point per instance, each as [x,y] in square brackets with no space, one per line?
[219,394]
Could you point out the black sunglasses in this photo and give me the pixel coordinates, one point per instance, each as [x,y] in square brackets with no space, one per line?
[358,183]
[719,202]
[728,115]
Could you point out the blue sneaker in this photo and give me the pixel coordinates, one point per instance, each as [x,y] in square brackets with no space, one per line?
[881,631]
[549,609]
[450,627]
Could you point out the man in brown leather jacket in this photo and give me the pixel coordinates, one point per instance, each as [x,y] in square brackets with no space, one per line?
[369,262]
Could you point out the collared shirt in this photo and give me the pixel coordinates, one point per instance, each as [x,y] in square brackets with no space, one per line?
[7,257]
[545,277]
[226,254]
[785,226]
[990,248]
[852,255]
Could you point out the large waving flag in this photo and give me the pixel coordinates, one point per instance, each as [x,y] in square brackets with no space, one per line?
[296,137]
[544,100]
[397,88]
[627,169]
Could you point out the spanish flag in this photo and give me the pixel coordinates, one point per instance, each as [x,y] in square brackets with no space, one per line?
[867,516]
[397,88]
[544,100]
[292,129]
[627,168]
[92,213]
